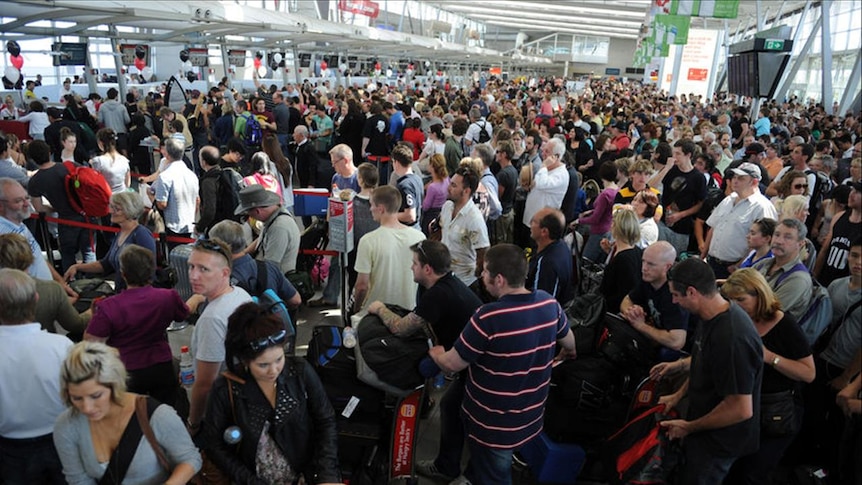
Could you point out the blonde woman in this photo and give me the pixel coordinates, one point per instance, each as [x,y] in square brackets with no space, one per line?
[788,365]
[89,434]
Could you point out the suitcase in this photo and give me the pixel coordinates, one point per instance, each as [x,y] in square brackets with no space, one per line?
[626,348]
[179,261]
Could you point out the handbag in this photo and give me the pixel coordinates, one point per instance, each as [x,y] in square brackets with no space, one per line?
[210,473]
[777,414]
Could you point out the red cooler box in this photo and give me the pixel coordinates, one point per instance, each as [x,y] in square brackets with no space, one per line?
[310,202]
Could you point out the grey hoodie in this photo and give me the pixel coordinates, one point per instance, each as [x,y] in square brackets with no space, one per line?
[114,115]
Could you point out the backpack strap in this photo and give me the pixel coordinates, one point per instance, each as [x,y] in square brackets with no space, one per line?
[144,408]
[797,267]
[122,456]
[262,277]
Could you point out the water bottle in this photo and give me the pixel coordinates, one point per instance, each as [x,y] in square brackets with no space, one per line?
[348,337]
[187,368]
[439,381]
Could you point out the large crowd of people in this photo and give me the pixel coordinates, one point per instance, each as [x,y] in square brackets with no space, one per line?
[714,227]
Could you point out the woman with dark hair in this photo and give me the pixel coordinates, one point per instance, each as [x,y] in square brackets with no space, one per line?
[69,142]
[38,120]
[142,160]
[705,164]
[759,240]
[283,167]
[599,217]
[350,129]
[788,366]
[274,403]
[134,323]
[113,165]
[436,145]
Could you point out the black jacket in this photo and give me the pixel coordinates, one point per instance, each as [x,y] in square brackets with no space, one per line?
[303,428]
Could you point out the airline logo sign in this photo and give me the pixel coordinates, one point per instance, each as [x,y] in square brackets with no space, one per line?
[360,7]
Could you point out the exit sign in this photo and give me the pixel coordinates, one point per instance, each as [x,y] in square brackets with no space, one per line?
[773,45]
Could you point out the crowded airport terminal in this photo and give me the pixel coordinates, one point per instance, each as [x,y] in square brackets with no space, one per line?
[418,242]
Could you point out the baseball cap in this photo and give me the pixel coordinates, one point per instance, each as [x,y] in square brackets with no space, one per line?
[754,148]
[747,169]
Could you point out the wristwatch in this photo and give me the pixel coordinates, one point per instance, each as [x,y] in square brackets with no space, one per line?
[775,361]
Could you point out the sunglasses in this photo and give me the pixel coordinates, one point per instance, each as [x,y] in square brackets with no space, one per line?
[210,245]
[262,344]
[800,186]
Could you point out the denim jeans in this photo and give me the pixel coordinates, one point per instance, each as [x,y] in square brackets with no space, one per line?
[72,240]
[488,466]
[28,461]
[451,429]
[593,248]
[701,467]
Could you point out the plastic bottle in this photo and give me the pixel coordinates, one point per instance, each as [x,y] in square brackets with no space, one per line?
[187,368]
[439,381]
[348,337]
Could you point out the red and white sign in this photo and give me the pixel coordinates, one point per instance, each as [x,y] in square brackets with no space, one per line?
[404,436]
[360,7]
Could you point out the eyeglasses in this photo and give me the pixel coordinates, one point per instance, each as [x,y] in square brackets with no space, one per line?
[210,245]
[800,186]
[262,344]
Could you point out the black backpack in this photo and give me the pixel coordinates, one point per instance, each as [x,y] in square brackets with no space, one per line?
[394,358]
[587,401]
[484,136]
[227,195]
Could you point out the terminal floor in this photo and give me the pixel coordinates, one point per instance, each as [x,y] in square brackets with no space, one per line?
[429,428]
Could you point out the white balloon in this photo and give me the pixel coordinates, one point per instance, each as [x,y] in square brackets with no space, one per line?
[12,74]
[427,63]
[261,71]
[147,73]
[277,57]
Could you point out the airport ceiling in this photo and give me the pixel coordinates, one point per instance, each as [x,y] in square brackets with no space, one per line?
[199,23]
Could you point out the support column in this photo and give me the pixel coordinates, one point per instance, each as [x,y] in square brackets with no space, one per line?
[795,63]
[226,63]
[852,82]
[826,53]
[677,61]
[118,62]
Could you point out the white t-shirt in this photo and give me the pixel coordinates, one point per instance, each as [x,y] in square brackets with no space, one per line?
[207,343]
[114,170]
[384,254]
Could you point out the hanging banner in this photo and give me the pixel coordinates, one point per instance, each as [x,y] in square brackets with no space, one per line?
[360,7]
[675,28]
[695,68]
[720,9]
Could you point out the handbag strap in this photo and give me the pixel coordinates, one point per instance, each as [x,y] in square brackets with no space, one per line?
[144,408]
[122,456]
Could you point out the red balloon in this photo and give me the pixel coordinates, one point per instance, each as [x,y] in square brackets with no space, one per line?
[140,64]
[16,61]
[377,66]
[256,62]
[323,65]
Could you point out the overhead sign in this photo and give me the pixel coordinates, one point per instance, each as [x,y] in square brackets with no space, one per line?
[70,53]
[360,7]
[236,57]
[199,57]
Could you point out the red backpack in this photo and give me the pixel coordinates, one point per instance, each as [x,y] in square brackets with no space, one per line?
[88,191]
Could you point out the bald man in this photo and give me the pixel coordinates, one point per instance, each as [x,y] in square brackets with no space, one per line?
[551,268]
[649,307]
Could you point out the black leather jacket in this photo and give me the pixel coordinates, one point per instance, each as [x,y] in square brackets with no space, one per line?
[302,425]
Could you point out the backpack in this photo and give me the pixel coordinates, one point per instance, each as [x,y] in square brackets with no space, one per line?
[388,361]
[585,315]
[626,348]
[253,134]
[641,451]
[586,401]
[88,191]
[818,313]
[270,301]
[227,196]
[484,136]
[821,190]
